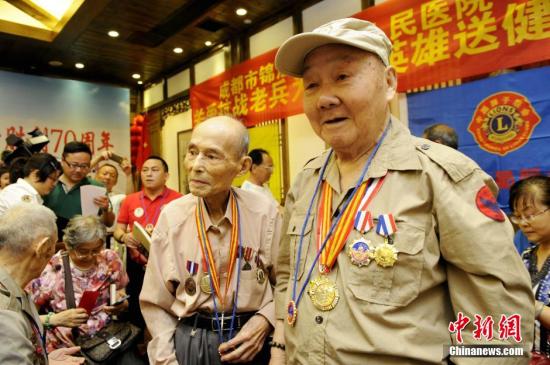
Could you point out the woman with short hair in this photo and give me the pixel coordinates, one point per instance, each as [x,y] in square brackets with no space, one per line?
[93,268]
[39,176]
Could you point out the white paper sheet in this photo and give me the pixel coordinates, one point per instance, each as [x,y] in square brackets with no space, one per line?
[87,195]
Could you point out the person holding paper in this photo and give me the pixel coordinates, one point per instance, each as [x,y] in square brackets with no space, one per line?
[207,297]
[65,199]
[93,270]
[143,207]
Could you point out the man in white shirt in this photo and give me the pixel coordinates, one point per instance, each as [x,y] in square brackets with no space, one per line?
[260,173]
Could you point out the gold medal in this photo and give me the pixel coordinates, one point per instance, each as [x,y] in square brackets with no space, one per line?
[260,276]
[323,293]
[205,285]
[138,212]
[149,228]
[385,255]
[190,286]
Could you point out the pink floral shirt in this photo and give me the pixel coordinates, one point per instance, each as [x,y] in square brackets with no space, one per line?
[48,293]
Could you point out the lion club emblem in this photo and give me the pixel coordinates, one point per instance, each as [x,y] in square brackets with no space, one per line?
[503,122]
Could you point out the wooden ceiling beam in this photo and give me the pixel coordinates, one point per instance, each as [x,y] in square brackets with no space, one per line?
[31,9]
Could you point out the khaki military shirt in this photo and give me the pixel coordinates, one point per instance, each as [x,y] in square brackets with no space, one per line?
[164,297]
[21,330]
[452,258]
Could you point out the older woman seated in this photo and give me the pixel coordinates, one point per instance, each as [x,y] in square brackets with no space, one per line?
[93,268]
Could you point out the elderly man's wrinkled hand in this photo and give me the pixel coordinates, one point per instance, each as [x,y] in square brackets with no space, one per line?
[63,356]
[278,357]
[247,343]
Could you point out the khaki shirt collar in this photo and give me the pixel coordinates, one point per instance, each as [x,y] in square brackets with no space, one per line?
[397,152]
[208,222]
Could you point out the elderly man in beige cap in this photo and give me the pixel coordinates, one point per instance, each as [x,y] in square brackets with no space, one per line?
[388,238]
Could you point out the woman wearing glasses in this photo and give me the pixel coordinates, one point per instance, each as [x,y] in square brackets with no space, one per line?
[93,268]
[530,204]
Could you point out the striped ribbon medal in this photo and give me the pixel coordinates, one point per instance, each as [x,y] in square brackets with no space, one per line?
[363,219]
[213,276]
[385,255]
[336,242]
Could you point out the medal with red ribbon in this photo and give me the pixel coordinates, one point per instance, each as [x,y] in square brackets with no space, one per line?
[323,291]
[213,276]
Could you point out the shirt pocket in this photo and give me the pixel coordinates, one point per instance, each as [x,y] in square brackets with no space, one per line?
[397,285]
[294,232]
[251,291]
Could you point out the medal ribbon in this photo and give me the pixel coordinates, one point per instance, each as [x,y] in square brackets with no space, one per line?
[386,225]
[335,242]
[296,299]
[157,212]
[206,248]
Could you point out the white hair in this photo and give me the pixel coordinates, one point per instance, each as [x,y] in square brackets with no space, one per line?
[22,224]
[83,230]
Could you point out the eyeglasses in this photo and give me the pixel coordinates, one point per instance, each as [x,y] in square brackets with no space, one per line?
[74,165]
[268,168]
[529,219]
[87,253]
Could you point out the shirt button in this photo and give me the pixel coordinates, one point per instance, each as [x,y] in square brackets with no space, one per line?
[318,319]
[425,146]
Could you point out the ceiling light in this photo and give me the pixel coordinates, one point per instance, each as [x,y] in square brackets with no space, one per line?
[113,33]
[178,50]
[136,76]
[55,63]
[140,82]
[241,11]
[207,43]
[247,21]
[79,65]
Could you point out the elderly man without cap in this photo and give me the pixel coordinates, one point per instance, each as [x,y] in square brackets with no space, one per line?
[207,295]
[24,253]
[443,134]
[410,233]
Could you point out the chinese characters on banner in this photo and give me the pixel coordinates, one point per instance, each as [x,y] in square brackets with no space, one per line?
[253,91]
[440,40]
[98,141]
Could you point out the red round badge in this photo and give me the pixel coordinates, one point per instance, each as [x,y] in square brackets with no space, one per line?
[487,204]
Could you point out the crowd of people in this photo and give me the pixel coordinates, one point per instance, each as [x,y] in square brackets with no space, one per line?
[389,247]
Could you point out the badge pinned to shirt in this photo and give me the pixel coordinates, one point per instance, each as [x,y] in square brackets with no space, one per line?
[487,204]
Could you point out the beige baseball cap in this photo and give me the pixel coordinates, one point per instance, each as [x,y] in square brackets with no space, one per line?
[353,32]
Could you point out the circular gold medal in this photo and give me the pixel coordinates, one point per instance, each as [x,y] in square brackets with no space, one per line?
[205,285]
[190,286]
[385,255]
[260,276]
[138,212]
[323,293]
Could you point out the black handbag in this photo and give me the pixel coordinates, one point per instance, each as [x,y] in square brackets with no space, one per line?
[107,344]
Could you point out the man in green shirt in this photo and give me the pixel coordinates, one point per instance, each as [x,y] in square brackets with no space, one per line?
[64,200]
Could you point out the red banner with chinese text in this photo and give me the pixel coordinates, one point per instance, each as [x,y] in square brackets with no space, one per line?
[440,40]
[253,91]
